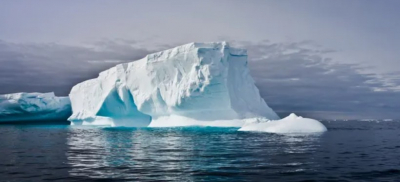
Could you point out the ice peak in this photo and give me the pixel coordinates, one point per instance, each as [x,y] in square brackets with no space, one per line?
[222,44]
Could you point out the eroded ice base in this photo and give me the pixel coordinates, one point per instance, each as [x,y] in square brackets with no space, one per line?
[290,124]
[113,122]
[177,121]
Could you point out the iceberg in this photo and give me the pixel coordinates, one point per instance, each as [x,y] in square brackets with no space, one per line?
[289,124]
[24,107]
[192,84]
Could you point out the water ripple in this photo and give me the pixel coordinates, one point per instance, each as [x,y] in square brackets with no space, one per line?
[347,152]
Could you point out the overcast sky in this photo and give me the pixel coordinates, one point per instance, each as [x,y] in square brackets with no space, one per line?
[324,59]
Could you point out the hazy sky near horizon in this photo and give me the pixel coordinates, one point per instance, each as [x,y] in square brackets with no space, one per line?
[326,59]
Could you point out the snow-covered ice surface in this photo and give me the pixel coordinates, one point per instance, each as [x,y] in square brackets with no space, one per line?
[289,124]
[24,107]
[193,84]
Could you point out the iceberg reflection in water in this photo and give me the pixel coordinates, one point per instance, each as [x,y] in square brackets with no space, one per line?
[186,153]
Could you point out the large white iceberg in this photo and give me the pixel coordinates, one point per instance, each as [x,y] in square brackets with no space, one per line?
[191,84]
[23,107]
[289,124]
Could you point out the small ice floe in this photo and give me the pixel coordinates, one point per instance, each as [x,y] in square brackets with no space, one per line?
[289,124]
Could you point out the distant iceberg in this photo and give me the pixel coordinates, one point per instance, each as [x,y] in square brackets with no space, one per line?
[197,83]
[25,107]
[290,124]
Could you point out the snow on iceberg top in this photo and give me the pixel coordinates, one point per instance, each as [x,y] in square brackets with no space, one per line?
[200,81]
[21,95]
[162,55]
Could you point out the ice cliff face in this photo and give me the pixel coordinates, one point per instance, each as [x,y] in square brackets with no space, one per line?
[22,107]
[196,81]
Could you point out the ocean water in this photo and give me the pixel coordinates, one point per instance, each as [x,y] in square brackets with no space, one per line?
[349,151]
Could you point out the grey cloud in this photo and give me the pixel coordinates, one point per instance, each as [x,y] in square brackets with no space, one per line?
[292,77]
[300,77]
[56,67]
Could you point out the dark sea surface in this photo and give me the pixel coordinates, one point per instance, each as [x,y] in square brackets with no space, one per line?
[349,151]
